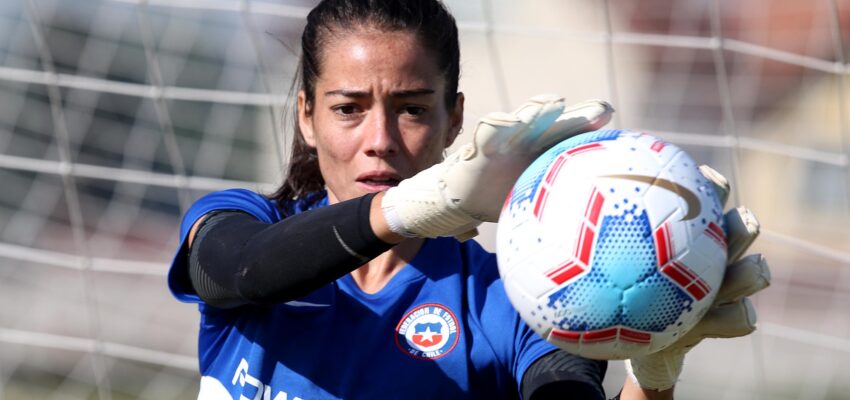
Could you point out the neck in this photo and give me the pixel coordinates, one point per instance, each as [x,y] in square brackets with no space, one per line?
[374,275]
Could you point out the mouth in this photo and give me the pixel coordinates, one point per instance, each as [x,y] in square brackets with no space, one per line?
[378,181]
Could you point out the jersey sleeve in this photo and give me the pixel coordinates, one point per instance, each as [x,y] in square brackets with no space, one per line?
[515,344]
[234,199]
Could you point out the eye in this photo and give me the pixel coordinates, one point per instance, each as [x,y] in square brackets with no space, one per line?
[346,109]
[415,111]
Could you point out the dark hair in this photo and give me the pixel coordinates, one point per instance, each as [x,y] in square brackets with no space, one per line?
[428,19]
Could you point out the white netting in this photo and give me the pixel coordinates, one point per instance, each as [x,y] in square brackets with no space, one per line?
[115,115]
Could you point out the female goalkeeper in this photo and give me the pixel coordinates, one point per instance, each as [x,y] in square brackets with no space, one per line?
[348,281]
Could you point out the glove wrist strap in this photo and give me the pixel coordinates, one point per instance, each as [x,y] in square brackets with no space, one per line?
[394,222]
[656,374]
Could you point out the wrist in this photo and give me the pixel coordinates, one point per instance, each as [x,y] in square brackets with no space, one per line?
[378,220]
[417,207]
[633,391]
[655,372]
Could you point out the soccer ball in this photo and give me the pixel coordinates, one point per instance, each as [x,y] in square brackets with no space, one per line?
[610,244]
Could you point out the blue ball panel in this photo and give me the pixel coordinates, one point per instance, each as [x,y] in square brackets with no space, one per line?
[624,285]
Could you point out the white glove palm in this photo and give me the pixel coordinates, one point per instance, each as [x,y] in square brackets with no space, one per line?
[732,314]
[453,197]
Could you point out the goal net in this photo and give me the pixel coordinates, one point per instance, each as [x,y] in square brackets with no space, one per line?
[115,115]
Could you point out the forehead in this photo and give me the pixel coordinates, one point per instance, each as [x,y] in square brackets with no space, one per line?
[368,56]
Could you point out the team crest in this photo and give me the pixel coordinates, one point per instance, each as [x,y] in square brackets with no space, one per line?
[427,332]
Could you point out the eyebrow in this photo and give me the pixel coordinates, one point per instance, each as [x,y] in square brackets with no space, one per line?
[397,93]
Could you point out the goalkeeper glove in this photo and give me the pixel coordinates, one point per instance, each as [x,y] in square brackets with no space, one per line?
[453,197]
[731,315]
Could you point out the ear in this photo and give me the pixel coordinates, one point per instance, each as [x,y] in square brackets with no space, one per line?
[305,120]
[455,119]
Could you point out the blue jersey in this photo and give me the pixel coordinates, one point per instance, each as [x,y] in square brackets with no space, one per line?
[442,327]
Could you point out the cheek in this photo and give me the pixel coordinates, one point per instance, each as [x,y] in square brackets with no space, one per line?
[437,142]
[330,150]
[430,150]
[333,144]
[335,158]
[335,153]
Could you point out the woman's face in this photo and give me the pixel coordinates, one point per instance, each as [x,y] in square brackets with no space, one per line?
[379,114]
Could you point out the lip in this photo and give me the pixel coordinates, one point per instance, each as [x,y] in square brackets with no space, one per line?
[378,181]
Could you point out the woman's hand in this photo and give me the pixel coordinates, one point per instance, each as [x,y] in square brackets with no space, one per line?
[732,314]
[453,197]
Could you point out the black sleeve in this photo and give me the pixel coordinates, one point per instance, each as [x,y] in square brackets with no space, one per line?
[561,375]
[236,259]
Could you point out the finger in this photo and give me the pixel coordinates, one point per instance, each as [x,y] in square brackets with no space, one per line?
[744,278]
[538,114]
[500,132]
[542,102]
[720,183]
[579,118]
[492,131]
[742,228]
[724,321]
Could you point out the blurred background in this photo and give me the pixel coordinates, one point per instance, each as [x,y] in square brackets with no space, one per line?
[116,114]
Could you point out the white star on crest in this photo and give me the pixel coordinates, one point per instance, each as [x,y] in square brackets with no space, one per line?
[428,335]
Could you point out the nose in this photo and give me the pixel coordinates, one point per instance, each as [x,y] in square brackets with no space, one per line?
[382,134]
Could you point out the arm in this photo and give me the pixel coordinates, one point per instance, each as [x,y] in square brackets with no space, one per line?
[376,221]
[559,374]
[633,391]
[235,259]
